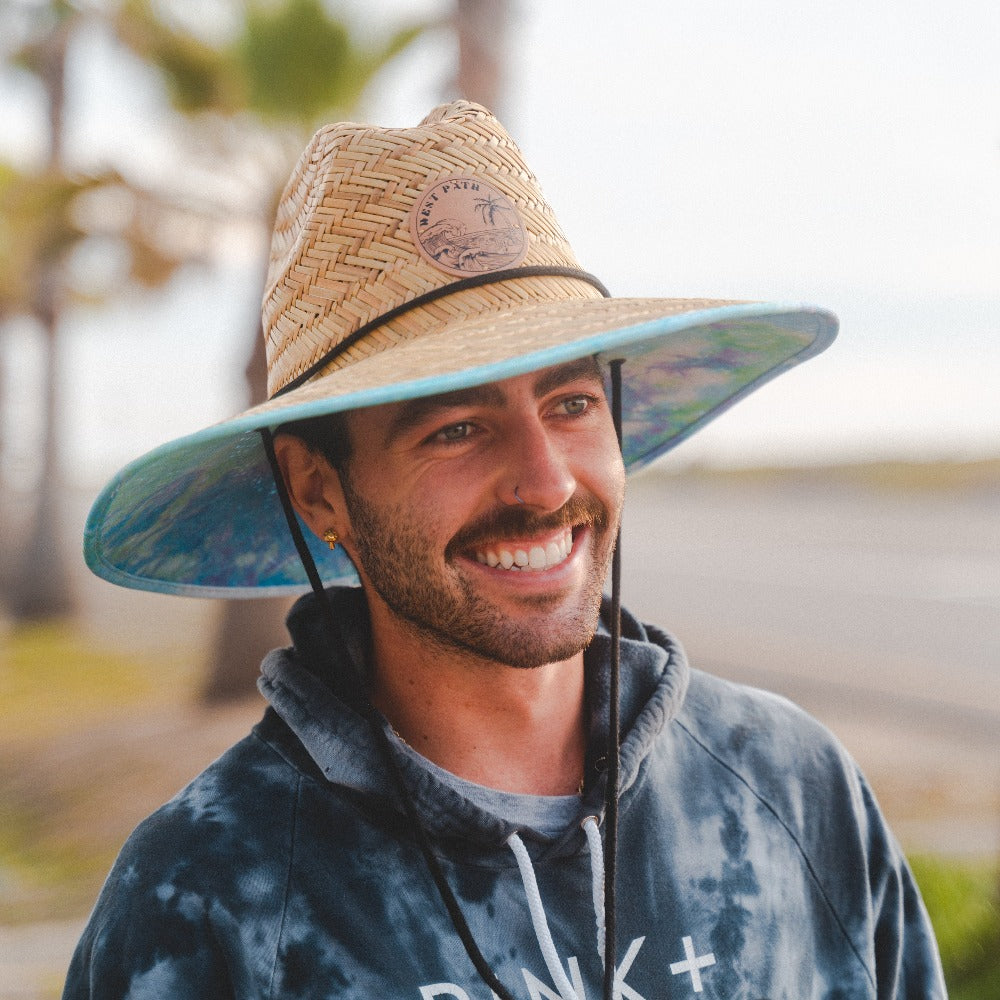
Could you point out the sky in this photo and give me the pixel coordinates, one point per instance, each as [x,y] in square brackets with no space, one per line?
[845,154]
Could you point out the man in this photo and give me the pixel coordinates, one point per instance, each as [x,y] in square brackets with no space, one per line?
[477,777]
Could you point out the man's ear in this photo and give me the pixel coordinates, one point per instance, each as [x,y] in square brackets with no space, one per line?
[313,486]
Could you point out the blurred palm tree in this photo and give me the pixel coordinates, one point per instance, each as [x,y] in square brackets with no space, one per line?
[249,99]
[48,214]
[248,96]
[482,27]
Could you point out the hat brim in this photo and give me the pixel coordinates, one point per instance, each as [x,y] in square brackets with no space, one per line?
[200,516]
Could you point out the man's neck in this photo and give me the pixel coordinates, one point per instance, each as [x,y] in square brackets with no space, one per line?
[514,729]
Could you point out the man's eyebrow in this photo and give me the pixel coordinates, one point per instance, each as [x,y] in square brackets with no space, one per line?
[415,411]
[553,378]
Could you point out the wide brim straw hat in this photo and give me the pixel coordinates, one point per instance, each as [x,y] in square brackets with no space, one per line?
[405,263]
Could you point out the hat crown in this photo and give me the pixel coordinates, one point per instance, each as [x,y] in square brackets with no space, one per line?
[370,220]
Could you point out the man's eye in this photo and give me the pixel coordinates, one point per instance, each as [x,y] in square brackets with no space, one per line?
[576,405]
[454,432]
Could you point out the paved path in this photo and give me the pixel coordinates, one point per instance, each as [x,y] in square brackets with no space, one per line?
[33,958]
[877,611]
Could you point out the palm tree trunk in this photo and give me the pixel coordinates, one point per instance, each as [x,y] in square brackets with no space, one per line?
[40,586]
[482,27]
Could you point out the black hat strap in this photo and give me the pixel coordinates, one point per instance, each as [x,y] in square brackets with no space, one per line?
[614,722]
[378,731]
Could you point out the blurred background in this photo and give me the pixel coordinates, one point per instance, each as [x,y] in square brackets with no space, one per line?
[835,537]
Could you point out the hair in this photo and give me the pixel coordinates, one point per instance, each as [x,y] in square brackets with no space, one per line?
[328,434]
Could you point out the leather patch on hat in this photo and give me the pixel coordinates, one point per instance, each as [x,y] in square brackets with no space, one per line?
[466,226]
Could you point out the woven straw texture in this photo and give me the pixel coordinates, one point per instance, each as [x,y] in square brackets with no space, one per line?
[343,254]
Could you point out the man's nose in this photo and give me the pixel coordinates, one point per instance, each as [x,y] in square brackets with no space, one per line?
[538,468]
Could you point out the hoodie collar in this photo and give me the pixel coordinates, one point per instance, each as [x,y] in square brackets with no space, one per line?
[319,687]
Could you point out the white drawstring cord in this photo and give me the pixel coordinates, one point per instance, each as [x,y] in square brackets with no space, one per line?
[537,911]
[541,925]
[590,828]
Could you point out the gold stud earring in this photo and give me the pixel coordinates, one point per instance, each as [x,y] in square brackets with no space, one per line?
[330,536]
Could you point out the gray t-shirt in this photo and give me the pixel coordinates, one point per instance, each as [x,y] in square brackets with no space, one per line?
[548,814]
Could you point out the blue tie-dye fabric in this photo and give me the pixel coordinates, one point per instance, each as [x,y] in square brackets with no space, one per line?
[753,861]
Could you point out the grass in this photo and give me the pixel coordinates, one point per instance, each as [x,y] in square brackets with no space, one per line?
[55,688]
[914,477]
[963,899]
[45,876]
[53,682]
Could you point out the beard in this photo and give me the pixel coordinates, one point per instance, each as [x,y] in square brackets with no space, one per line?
[444,607]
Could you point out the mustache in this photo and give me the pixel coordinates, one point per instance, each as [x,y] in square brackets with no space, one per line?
[510,521]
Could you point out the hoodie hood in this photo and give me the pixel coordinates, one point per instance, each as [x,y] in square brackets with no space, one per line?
[319,686]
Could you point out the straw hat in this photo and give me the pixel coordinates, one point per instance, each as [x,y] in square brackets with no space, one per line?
[407,262]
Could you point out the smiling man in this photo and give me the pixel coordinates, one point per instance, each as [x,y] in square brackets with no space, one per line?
[477,776]
[481,523]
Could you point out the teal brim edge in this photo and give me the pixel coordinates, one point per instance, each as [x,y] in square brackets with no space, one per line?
[200,516]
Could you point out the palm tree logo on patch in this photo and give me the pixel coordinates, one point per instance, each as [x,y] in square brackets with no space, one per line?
[467,226]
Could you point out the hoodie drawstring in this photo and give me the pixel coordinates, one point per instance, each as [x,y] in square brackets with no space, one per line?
[591,829]
[541,925]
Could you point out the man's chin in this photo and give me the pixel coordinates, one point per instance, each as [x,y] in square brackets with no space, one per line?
[526,655]
[528,644]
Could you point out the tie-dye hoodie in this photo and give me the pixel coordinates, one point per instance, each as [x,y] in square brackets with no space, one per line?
[753,861]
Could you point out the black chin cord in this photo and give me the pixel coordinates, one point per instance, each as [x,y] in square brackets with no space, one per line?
[305,556]
[614,722]
[451,904]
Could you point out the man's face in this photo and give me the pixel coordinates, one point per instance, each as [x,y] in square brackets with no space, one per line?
[438,534]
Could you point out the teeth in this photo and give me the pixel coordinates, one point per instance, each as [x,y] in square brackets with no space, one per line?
[537,557]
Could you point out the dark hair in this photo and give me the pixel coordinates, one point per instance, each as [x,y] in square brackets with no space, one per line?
[328,434]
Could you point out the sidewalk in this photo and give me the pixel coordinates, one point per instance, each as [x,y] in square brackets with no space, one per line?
[34,957]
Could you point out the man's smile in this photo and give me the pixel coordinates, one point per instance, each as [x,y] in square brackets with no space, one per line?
[527,555]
